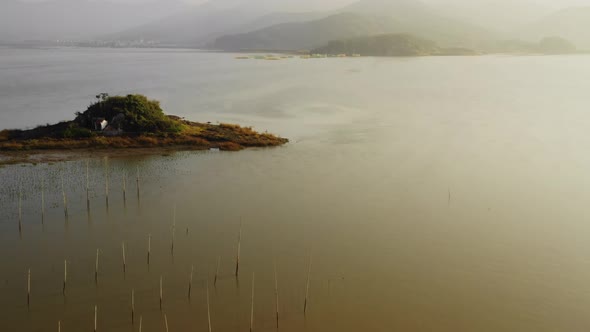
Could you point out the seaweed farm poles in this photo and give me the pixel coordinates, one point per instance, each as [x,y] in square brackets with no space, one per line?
[277,293]
[132,306]
[87,186]
[252,306]
[190,282]
[29,288]
[124,189]
[65,198]
[65,276]
[238,253]
[42,200]
[161,293]
[20,209]
[149,248]
[208,306]
[96,268]
[307,287]
[217,271]
[124,259]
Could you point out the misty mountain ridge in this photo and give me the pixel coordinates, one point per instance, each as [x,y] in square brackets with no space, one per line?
[570,23]
[76,19]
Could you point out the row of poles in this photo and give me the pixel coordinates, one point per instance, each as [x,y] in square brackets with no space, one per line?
[65,197]
[161,293]
[190,286]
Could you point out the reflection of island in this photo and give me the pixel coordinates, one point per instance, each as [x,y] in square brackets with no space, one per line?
[133,121]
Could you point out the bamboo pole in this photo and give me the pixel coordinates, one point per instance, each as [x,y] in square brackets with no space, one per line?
[252,306]
[137,181]
[95,318]
[307,287]
[161,293]
[42,200]
[217,271]
[238,253]
[140,322]
[149,248]
[29,289]
[65,198]
[59,326]
[106,176]
[132,306]
[166,322]
[208,307]
[20,209]
[87,185]
[65,276]
[96,268]
[190,282]
[124,259]
[277,294]
[173,227]
[124,188]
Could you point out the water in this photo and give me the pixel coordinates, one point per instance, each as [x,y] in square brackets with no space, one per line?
[433,194]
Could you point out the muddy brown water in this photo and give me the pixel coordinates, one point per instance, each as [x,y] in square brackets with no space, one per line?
[434,194]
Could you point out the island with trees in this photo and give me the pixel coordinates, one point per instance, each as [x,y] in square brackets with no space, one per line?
[133,121]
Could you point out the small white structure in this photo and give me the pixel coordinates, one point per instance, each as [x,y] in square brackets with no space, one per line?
[100,124]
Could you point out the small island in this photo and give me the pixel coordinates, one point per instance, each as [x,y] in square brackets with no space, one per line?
[133,121]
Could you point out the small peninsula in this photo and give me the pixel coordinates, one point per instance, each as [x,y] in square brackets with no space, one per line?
[133,121]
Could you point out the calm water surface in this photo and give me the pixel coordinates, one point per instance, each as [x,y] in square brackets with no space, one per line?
[432,194]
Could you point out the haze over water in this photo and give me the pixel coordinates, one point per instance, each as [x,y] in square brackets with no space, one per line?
[434,194]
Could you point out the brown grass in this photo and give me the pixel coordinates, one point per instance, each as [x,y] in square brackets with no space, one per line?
[226,137]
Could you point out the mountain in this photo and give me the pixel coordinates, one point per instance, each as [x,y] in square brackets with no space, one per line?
[75,19]
[381,45]
[571,23]
[364,18]
[203,23]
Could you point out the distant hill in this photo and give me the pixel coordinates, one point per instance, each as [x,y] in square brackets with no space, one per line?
[381,45]
[364,18]
[547,45]
[572,24]
[388,45]
[76,19]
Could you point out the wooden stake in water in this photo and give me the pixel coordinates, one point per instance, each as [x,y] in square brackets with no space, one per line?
[124,188]
[59,326]
[29,288]
[238,253]
[20,209]
[95,318]
[190,282]
[149,248]
[65,276]
[87,185]
[166,322]
[252,307]
[277,294]
[208,307]
[173,227]
[65,198]
[42,200]
[132,306]
[217,271]
[124,260]
[137,181]
[307,287]
[106,177]
[140,322]
[96,268]
[161,293]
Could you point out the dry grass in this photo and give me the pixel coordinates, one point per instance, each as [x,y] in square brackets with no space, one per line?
[225,137]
